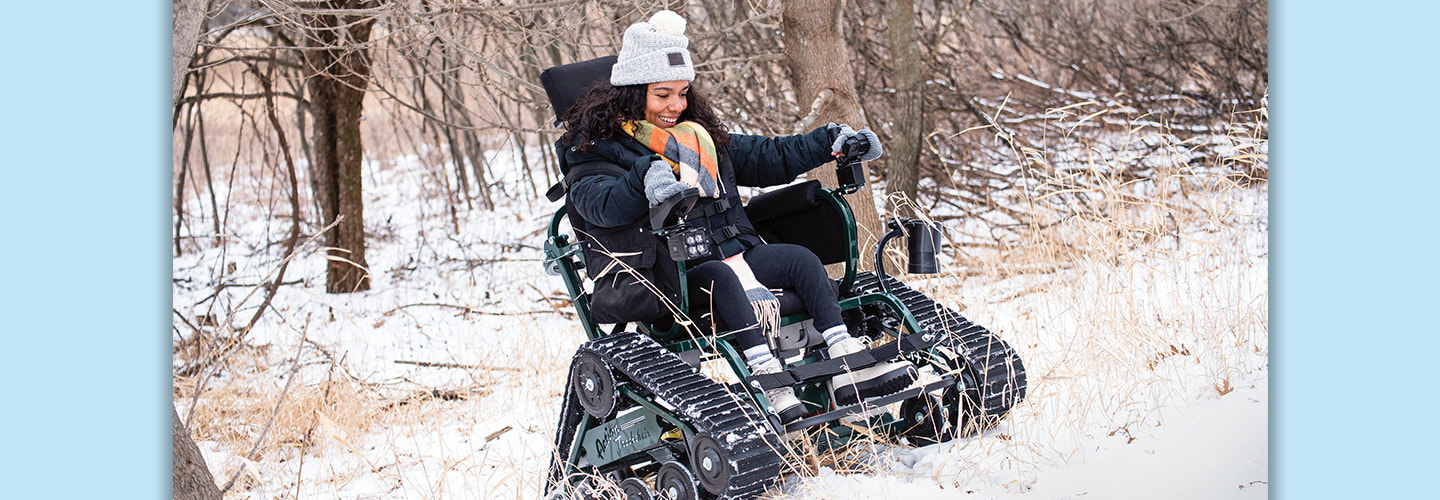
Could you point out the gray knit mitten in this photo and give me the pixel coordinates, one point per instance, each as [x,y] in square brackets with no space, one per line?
[843,132]
[660,182]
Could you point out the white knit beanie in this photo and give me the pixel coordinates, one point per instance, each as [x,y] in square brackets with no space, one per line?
[654,51]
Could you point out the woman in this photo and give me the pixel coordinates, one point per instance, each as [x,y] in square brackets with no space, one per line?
[652,123]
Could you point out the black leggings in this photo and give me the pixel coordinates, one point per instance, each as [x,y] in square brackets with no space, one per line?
[779,265]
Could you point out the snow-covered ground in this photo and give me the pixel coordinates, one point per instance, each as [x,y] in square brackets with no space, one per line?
[1148,367]
[1214,449]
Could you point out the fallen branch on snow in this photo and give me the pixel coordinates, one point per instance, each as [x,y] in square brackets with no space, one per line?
[429,364]
[467,309]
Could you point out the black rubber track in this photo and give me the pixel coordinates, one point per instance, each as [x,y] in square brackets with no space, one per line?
[750,444]
[991,362]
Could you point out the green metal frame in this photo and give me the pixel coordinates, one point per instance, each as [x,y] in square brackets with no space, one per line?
[852,255]
[566,258]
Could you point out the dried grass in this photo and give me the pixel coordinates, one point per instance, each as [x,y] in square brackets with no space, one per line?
[1119,294]
[234,408]
[1126,302]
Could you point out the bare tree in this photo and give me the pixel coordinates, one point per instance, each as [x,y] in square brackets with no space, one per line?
[961,94]
[190,479]
[337,61]
[458,78]
[906,129]
[992,72]
[1210,52]
[818,58]
[190,476]
[188,16]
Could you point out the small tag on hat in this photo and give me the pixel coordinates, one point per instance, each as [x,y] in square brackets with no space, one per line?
[677,59]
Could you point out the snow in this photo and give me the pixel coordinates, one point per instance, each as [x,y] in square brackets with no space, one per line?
[1124,356]
[1215,450]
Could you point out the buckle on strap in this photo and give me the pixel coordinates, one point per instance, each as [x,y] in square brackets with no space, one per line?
[719,207]
[556,192]
[721,234]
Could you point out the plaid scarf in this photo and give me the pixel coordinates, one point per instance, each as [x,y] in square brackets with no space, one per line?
[688,148]
[691,153]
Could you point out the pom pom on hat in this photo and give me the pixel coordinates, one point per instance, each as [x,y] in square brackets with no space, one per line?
[668,22]
[654,51]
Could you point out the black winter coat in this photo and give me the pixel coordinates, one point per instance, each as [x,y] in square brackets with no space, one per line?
[615,201]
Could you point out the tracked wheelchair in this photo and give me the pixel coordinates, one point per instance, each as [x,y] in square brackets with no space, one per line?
[638,412]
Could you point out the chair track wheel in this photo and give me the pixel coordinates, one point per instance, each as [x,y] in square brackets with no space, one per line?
[674,482]
[635,489]
[710,464]
[594,383]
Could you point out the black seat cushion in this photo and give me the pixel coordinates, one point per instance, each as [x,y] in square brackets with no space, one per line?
[793,214]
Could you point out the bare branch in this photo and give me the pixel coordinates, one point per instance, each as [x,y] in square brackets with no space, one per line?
[431,364]
[815,107]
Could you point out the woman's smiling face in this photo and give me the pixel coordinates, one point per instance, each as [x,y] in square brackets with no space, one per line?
[664,101]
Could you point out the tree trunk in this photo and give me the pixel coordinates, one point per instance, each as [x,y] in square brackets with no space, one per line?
[819,60]
[189,15]
[903,148]
[190,478]
[339,73]
[187,18]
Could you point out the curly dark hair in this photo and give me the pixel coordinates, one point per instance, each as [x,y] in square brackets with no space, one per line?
[600,111]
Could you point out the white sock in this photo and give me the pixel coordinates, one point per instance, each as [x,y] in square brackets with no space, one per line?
[757,355]
[835,334]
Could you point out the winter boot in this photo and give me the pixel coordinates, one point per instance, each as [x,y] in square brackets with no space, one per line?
[885,377]
[782,399]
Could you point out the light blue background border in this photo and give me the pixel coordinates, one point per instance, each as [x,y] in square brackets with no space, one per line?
[85,193]
[1353,249]
[84,309]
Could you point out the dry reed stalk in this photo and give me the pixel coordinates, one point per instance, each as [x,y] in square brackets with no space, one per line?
[1120,302]
[1139,305]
